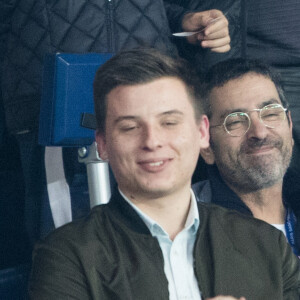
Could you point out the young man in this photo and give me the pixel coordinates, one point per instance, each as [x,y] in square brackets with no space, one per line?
[75,27]
[152,240]
[250,144]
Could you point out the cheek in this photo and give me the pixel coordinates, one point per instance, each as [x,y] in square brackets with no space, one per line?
[121,144]
[120,163]
[224,149]
[290,142]
[186,140]
[189,149]
[118,152]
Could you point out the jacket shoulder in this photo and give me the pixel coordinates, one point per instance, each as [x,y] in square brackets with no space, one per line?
[241,247]
[80,232]
[236,224]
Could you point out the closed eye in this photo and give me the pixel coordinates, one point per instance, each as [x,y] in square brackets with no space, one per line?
[271,115]
[234,123]
[128,128]
[170,123]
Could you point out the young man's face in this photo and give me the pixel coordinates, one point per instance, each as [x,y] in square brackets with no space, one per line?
[260,158]
[152,139]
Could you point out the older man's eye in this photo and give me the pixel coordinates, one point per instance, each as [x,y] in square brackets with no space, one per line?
[234,124]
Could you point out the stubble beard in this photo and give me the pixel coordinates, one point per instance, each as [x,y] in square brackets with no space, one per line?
[248,173]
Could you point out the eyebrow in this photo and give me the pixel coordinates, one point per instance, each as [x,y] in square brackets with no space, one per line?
[263,104]
[172,112]
[136,118]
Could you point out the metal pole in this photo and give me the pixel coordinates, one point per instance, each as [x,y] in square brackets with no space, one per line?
[98,175]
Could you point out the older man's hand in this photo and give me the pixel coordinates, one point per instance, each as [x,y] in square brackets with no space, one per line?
[213,27]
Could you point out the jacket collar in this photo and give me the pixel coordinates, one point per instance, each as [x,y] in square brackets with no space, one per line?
[222,194]
[126,214]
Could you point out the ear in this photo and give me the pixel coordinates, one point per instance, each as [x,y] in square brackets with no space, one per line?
[289,116]
[204,132]
[205,151]
[101,145]
[208,155]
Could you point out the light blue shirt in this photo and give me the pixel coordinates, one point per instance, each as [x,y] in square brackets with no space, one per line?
[178,254]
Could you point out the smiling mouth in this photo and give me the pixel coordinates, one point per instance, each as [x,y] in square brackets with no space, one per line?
[260,150]
[154,166]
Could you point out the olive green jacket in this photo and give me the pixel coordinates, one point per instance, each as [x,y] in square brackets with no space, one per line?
[112,255]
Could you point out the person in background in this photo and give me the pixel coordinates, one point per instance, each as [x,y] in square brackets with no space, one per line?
[251,144]
[153,240]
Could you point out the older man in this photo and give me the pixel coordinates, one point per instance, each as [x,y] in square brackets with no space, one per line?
[250,144]
[153,240]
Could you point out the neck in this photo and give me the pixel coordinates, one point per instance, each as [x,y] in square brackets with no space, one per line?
[170,211]
[266,204]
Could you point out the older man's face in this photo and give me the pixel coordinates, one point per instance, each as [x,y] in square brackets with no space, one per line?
[152,138]
[258,159]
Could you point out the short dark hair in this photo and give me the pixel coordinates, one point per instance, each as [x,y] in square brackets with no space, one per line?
[223,72]
[138,66]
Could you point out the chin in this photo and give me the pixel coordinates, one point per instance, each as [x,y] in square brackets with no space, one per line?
[155,191]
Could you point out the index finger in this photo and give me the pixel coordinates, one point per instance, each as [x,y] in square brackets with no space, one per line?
[216,24]
[211,16]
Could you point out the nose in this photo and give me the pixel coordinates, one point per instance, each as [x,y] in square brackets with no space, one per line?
[257,128]
[151,138]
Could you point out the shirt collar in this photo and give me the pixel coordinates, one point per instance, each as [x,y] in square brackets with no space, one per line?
[192,220]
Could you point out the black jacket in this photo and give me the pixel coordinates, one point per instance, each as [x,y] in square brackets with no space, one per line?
[29,29]
[218,192]
[112,255]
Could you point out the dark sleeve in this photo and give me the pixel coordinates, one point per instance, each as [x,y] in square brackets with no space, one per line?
[290,271]
[175,12]
[6,9]
[56,274]
[203,59]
